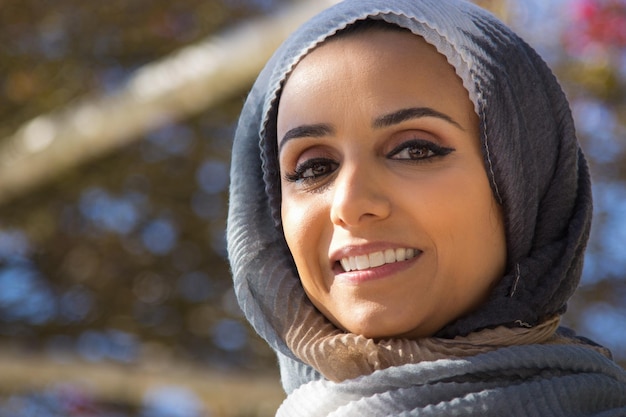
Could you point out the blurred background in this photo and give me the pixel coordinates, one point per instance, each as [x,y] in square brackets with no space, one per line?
[117,120]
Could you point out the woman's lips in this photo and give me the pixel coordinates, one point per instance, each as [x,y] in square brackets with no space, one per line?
[375,265]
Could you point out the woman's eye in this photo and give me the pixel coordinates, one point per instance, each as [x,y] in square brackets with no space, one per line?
[312,169]
[418,149]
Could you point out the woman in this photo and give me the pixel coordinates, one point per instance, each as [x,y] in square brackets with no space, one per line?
[409,211]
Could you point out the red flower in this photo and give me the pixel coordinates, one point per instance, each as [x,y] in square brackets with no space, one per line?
[597,22]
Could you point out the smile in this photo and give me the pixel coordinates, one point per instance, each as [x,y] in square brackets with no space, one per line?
[376,259]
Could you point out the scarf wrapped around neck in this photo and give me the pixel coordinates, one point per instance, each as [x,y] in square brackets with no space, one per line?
[537,173]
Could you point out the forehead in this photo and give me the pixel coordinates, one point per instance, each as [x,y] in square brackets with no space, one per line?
[380,69]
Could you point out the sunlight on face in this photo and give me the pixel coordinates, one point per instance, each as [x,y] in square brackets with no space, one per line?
[386,206]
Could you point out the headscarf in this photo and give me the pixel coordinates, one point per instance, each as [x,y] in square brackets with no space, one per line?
[535,166]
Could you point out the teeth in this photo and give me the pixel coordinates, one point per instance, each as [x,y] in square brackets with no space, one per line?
[352,262]
[376,259]
[345,264]
[362,262]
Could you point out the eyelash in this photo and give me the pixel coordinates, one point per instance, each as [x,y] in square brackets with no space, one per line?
[298,175]
[329,166]
[433,150]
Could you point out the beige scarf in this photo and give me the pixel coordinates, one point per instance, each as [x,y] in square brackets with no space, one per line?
[340,356]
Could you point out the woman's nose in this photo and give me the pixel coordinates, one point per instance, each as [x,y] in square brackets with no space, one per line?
[359,196]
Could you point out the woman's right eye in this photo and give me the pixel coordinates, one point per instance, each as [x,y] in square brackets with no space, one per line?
[418,150]
[312,170]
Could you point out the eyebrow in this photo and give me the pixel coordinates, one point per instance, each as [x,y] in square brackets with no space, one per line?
[306,131]
[403,115]
[323,129]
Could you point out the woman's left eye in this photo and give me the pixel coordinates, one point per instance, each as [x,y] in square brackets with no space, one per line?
[418,149]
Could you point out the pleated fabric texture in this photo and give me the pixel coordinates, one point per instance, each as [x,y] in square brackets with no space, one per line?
[538,380]
[536,170]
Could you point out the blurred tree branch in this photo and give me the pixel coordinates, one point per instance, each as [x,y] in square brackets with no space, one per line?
[223,394]
[180,85]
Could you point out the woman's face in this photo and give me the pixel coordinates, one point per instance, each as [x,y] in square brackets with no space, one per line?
[386,205]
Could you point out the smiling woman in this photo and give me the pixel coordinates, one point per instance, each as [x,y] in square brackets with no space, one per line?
[378,186]
[409,227]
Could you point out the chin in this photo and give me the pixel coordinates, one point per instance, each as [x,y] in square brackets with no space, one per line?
[387,331]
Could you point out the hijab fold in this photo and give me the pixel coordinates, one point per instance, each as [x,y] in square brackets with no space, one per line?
[517,381]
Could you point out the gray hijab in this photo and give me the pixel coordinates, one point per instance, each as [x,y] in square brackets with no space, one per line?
[534,163]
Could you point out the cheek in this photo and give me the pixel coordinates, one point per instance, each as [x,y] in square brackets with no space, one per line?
[483,220]
[477,233]
[304,226]
[465,221]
